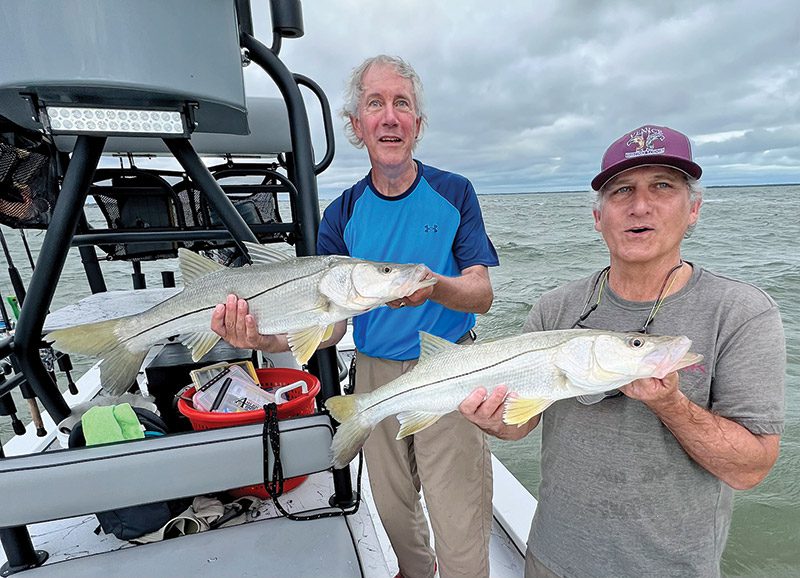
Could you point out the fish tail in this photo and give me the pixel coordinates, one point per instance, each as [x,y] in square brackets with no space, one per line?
[353,431]
[119,366]
[343,407]
[348,441]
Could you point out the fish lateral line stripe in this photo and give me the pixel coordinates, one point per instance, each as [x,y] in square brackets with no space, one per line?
[201,309]
[458,376]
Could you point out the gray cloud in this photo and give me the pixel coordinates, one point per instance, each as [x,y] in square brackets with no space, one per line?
[526,96]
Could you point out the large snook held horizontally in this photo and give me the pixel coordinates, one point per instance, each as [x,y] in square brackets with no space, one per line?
[538,369]
[299,296]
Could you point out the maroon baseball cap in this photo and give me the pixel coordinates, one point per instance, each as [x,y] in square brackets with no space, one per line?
[647,145]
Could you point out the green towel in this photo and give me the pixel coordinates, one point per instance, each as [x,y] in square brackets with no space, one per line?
[111,423]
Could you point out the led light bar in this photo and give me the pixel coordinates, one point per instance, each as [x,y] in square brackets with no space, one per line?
[115,121]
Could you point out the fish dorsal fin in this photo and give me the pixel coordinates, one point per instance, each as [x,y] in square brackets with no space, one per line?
[263,254]
[194,266]
[412,422]
[431,345]
[518,410]
[200,343]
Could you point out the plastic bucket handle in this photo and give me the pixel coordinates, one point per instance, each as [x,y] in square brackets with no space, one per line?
[279,399]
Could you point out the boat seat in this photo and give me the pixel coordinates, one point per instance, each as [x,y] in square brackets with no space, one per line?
[66,483]
[275,547]
[135,200]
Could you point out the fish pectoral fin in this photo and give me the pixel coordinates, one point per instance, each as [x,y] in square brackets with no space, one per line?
[119,368]
[200,343]
[194,266]
[262,254]
[431,345]
[305,342]
[519,410]
[412,422]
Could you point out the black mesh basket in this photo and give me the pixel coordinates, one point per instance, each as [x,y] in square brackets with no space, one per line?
[27,188]
[134,199]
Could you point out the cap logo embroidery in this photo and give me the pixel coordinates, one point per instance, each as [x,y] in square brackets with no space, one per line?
[644,139]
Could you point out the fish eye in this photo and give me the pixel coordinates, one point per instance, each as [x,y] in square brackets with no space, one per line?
[386,269]
[636,342]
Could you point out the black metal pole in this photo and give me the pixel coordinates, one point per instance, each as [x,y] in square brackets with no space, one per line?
[19,551]
[53,254]
[324,361]
[13,273]
[94,275]
[185,154]
[137,276]
[300,133]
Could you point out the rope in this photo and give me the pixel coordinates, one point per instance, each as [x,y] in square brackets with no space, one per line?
[271,440]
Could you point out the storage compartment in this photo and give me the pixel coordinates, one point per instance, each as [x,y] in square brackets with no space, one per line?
[299,401]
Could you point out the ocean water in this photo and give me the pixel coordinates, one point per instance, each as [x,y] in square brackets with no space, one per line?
[547,239]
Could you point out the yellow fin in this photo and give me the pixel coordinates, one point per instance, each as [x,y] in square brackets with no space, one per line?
[431,345]
[328,332]
[348,440]
[519,410]
[412,422]
[194,266]
[304,343]
[119,367]
[200,343]
[342,407]
[262,254]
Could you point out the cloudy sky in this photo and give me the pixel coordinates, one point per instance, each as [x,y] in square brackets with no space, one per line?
[525,96]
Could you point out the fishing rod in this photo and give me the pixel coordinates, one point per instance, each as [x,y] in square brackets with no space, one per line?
[24,388]
[7,406]
[27,248]
[62,359]
[13,273]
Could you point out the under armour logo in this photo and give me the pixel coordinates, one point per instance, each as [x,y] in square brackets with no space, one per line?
[431,228]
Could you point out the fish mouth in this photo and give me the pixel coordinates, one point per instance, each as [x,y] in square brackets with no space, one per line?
[406,282]
[415,281]
[677,358]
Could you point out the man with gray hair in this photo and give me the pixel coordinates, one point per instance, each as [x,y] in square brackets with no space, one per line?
[407,212]
[639,481]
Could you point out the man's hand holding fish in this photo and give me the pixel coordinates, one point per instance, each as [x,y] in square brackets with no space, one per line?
[486,412]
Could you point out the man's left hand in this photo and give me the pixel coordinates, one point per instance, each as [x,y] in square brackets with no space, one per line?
[418,297]
[653,391]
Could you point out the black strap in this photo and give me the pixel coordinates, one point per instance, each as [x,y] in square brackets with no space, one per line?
[351,376]
[271,439]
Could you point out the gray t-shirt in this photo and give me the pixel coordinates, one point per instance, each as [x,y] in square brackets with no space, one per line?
[619,496]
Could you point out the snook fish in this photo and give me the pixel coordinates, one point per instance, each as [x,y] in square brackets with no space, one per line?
[301,296]
[538,368]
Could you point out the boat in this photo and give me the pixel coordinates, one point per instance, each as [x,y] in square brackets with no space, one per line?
[85,82]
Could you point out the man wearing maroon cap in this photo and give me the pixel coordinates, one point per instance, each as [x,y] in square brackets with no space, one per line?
[639,482]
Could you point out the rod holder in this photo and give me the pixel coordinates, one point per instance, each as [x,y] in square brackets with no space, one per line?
[287,18]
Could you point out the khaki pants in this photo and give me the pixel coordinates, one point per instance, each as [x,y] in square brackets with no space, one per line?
[450,460]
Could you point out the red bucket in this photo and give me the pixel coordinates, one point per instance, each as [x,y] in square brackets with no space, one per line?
[298,403]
